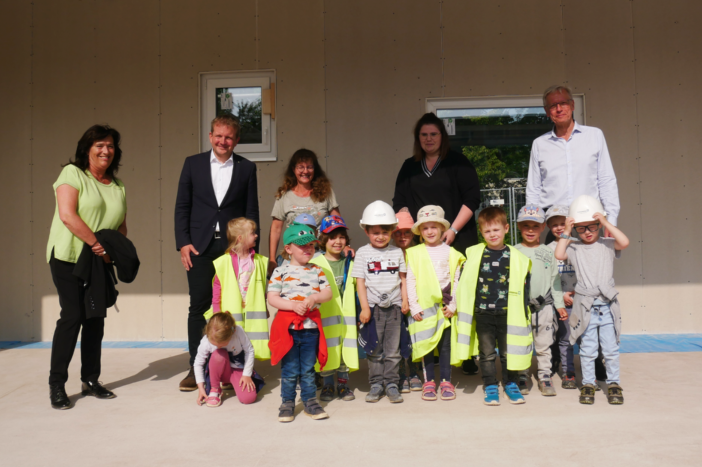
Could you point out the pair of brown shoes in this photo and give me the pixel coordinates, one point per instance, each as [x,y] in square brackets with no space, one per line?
[614,394]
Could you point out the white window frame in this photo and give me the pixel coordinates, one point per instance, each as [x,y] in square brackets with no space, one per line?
[209,82]
[496,102]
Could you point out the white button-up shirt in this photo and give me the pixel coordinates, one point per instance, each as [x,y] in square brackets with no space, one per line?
[560,170]
[221,177]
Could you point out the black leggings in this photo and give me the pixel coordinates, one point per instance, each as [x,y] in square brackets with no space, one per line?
[444,348]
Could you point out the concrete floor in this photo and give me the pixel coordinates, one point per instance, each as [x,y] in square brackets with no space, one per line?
[152,423]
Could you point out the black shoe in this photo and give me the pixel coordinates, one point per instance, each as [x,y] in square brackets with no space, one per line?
[59,398]
[469,367]
[94,388]
[327,393]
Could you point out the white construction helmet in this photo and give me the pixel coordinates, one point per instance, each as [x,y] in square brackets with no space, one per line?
[584,207]
[378,213]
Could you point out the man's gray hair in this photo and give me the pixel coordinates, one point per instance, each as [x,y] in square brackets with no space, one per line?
[558,88]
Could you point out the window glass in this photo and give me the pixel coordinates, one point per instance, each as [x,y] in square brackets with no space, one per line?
[245,103]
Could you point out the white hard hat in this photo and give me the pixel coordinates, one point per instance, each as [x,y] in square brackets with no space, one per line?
[584,207]
[378,213]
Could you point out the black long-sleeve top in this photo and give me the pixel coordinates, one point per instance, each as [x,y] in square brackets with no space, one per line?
[453,184]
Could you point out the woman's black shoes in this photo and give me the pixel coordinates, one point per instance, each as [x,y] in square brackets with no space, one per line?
[59,398]
[94,388]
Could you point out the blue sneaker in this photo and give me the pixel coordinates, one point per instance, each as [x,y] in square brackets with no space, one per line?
[513,393]
[492,395]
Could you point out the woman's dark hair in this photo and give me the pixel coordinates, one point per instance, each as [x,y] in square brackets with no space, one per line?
[321,186]
[430,119]
[97,133]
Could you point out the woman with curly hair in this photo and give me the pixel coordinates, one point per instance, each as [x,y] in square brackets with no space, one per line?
[305,190]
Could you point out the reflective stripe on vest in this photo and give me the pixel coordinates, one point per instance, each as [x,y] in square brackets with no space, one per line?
[425,334]
[254,317]
[339,320]
[519,338]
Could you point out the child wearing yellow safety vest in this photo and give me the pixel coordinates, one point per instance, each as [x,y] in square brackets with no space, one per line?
[339,314]
[492,300]
[432,271]
[239,285]
[403,238]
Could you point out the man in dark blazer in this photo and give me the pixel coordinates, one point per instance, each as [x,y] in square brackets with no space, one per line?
[215,187]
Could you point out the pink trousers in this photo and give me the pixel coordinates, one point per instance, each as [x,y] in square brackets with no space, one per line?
[222,372]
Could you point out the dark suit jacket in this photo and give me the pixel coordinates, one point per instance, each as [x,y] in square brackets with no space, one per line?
[196,210]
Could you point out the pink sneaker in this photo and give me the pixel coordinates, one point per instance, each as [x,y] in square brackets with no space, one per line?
[448,391]
[429,391]
[213,400]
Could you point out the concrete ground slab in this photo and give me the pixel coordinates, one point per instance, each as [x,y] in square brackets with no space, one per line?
[152,423]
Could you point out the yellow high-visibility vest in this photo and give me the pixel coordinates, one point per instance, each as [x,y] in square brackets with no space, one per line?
[425,334]
[520,343]
[254,317]
[339,320]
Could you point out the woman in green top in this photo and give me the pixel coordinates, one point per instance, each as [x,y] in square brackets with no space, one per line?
[89,198]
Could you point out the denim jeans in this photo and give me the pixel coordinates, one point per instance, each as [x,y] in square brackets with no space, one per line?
[564,348]
[599,333]
[299,362]
[384,361]
[492,327]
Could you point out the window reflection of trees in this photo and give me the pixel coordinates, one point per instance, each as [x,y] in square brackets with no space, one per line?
[249,113]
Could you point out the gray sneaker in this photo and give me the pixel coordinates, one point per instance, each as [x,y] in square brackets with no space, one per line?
[546,387]
[287,412]
[376,393]
[393,393]
[314,410]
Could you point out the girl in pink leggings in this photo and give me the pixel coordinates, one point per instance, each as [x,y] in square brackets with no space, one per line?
[231,360]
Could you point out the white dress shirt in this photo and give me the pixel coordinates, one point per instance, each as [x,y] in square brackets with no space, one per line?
[560,170]
[221,177]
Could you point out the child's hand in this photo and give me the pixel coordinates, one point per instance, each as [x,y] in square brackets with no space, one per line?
[365,315]
[201,396]
[300,308]
[405,307]
[570,222]
[447,313]
[418,316]
[247,383]
[562,314]
[599,217]
[309,302]
[568,298]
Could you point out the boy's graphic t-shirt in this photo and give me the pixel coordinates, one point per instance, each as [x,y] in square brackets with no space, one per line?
[493,280]
[566,270]
[381,268]
[337,267]
[296,283]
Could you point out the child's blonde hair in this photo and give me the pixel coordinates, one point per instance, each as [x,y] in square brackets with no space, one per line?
[220,327]
[441,227]
[236,228]
[491,215]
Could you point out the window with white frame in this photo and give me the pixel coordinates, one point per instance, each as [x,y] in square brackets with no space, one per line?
[248,95]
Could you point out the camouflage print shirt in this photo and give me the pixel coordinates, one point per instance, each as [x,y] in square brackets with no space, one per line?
[493,281]
[296,283]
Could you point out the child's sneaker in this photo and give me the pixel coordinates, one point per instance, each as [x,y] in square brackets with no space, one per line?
[587,394]
[404,386]
[546,387]
[447,390]
[415,383]
[327,393]
[213,399]
[345,393]
[614,394]
[469,367]
[393,393]
[376,393]
[429,391]
[492,395]
[522,385]
[568,382]
[314,410]
[514,394]
[286,412]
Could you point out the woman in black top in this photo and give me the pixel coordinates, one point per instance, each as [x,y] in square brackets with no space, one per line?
[436,175]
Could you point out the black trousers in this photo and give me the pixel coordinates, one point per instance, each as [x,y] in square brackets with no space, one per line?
[200,279]
[71,297]
[491,328]
[444,346]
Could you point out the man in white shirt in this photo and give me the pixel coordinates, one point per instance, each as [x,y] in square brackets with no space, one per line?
[571,160]
[215,187]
